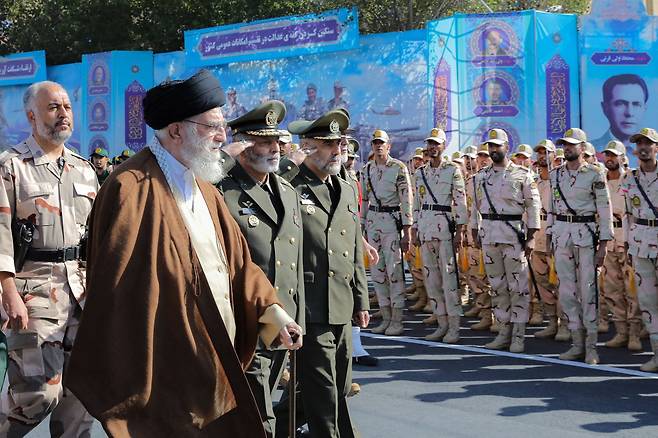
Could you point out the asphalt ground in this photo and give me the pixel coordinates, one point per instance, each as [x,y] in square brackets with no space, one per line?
[429,389]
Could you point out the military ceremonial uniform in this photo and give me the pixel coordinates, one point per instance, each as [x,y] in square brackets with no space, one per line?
[390,184]
[56,197]
[540,258]
[335,285]
[438,189]
[498,217]
[573,237]
[625,309]
[476,276]
[270,218]
[642,238]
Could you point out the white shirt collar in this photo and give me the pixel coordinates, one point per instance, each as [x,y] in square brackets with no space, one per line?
[180,178]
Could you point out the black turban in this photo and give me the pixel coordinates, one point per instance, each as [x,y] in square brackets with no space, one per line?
[173,101]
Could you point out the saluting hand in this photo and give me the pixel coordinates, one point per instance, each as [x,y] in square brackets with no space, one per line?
[291,336]
[300,155]
[236,148]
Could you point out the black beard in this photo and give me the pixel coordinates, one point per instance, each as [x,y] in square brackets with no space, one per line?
[497,157]
[612,166]
[571,157]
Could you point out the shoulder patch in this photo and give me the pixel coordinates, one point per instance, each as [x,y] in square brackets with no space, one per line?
[599,185]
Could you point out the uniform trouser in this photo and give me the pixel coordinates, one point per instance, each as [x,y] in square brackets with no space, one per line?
[540,266]
[625,307]
[440,279]
[577,273]
[387,276]
[477,282]
[263,376]
[507,270]
[416,273]
[35,372]
[325,376]
[646,279]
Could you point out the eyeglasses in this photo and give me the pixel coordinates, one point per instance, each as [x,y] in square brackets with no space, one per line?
[215,127]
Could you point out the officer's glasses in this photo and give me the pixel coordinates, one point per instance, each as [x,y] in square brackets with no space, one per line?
[215,128]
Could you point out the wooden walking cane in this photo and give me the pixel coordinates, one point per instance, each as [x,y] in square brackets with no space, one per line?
[292,392]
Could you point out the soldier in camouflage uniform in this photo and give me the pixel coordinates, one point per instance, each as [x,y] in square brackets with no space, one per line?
[52,188]
[575,214]
[477,277]
[642,232]
[540,260]
[439,187]
[625,310]
[504,192]
[387,212]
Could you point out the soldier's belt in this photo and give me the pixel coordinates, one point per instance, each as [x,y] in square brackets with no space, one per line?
[384,208]
[575,219]
[502,217]
[616,224]
[54,255]
[647,222]
[436,207]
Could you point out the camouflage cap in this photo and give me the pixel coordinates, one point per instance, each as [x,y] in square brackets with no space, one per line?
[470,151]
[649,133]
[572,136]
[559,153]
[380,135]
[100,152]
[546,144]
[456,157]
[127,153]
[437,135]
[616,147]
[418,153]
[524,149]
[262,121]
[589,149]
[326,127]
[483,149]
[496,136]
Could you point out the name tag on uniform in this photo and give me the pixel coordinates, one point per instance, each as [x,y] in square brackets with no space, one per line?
[246,211]
[307,202]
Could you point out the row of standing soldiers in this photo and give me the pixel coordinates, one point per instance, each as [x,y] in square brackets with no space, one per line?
[530,243]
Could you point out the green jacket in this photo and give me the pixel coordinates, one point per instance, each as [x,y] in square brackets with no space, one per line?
[274,235]
[334,276]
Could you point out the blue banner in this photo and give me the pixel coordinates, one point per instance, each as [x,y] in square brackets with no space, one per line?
[22,68]
[273,38]
[619,72]
[513,71]
[382,83]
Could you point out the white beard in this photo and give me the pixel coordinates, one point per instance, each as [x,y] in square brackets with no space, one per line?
[203,159]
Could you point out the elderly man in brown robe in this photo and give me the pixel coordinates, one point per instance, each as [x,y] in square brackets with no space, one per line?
[175,304]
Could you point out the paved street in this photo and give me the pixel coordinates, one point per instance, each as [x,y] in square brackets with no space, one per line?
[427,389]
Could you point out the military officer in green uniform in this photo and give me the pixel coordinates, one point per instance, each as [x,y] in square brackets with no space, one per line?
[334,277]
[267,209]
[101,161]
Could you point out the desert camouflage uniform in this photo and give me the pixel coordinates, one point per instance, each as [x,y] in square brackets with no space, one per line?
[477,282]
[587,194]
[540,257]
[512,191]
[624,307]
[447,184]
[391,184]
[57,200]
[643,244]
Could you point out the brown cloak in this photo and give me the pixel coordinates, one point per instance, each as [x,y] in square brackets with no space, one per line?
[152,357]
